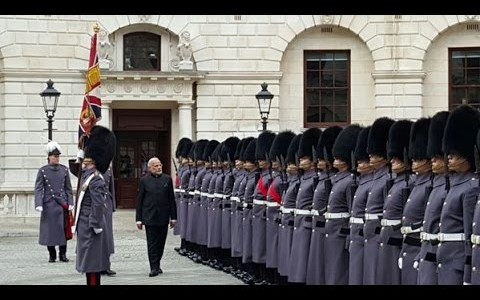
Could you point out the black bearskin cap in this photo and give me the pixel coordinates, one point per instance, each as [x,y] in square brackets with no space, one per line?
[326,141]
[199,149]
[280,145]
[192,150]
[308,141]
[207,152]
[100,146]
[187,146]
[378,137]
[419,139]
[461,132]
[180,146]
[345,143]
[238,149]
[245,144]
[399,139]
[229,146]
[264,142]
[293,149]
[249,153]
[435,134]
[361,146]
[216,152]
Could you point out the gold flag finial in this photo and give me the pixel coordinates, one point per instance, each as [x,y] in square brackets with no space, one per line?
[96,28]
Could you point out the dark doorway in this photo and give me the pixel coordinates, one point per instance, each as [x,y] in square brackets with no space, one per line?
[141,135]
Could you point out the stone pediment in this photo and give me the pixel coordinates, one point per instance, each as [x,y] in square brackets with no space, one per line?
[150,86]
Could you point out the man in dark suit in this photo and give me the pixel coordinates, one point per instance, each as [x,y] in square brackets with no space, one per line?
[156,208]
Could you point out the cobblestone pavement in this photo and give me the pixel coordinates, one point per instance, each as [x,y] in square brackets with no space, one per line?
[24,262]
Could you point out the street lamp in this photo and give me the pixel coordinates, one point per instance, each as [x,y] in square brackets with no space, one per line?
[264,98]
[50,99]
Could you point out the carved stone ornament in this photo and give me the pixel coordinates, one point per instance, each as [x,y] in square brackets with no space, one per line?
[326,19]
[161,88]
[471,18]
[144,88]
[144,18]
[105,50]
[178,88]
[185,52]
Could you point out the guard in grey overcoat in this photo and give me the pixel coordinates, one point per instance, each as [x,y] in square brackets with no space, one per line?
[93,249]
[454,250]
[183,147]
[53,198]
[185,212]
[213,233]
[302,229]
[475,239]
[182,204]
[338,215]
[357,209]
[415,206]
[111,207]
[285,228]
[377,150]
[388,265]
[426,260]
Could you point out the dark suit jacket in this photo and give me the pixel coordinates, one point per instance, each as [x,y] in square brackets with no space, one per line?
[156,200]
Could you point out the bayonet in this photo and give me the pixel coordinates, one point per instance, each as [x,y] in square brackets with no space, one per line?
[447,176]
[354,186]
[175,165]
[406,163]
[297,163]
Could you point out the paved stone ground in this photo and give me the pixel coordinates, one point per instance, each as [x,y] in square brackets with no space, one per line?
[24,262]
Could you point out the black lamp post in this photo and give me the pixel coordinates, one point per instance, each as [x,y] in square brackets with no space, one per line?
[50,99]
[264,98]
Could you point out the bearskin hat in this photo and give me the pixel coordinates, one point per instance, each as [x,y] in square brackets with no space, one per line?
[228,149]
[53,148]
[199,149]
[378,137]
[192,150]
[249,153]
[435,134]
[246,142]
[238,149]
[308,142]
[419,139]
[293,150]
[215,152]
[399,139]
[461,132]
[361,146]
[280,145]
[180,145]
[326,142]
[345,143]
[100,147]
[207,152]
[187,146]
[264,142]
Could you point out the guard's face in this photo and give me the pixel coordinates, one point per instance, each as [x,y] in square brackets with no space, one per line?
[305,163]
[397,165]
[263,164]
[322,165]
[364,167]
[438,165]
[54,159]
[249,166]
[421,166]
[276,165]
[238,164]
[292,169]
[457,163]
[377,161]
[340,165]
[156,168]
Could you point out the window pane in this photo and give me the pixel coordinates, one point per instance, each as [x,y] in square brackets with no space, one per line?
[341,114]
[313,97]
[458,95]
[326,61]
[327,113]
[312,114]
[341,60]
[341,97]
[313,79]
[473,59]
[313,64]
[326,79]
[341,78]
[142,51]
[458,76]
[473,76]
[326,97]
[474,97]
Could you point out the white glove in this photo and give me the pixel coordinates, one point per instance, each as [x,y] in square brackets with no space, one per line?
[415,265]
[400,263]
[466,283]
[80,154]
[70,207]
[39,208]
[97,230]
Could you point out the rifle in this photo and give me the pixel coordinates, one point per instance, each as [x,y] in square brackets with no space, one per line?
[354,186]
[283,174]
[297,163]
[269,169]
[476,155]
[175,165]
[406,190]
[328,182]
[428,190]
[315,162]
[390,180]
[447,176]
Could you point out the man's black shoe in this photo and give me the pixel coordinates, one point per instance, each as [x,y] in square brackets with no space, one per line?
[51,259]
[108,272]
[154,273]
[63,258]
[177,249]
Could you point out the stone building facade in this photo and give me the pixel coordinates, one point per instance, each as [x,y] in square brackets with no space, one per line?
[206,72]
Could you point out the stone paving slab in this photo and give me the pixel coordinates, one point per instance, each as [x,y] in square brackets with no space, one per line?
[24,262]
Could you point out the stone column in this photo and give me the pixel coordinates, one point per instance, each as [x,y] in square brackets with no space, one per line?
[185,119]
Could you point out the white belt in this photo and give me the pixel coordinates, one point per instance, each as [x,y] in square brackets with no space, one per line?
[191,193]
[176,190]
[204,194]
[197,192]
[387,222]
[428,236]
[287,210]
[305,212]
[314,212]
[181,190]
[272,204]
[244,204]
[408,229]
[236,199]
[341,215]
[259,202]
[475,239]
[225,197]
[354,220]
[210,195]
[372,216]
[451,237]
[217,195]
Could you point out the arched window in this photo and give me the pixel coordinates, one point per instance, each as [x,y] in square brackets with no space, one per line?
[141,51]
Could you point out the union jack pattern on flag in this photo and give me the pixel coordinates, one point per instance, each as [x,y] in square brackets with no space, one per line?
[92,103]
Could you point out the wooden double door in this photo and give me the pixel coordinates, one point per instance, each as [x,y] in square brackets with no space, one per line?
[137,142]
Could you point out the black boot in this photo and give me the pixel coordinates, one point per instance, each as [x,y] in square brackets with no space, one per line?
[53,253]
[63,254]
